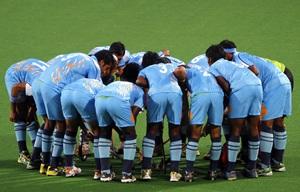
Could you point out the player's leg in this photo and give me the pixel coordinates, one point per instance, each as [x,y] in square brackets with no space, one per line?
[253,121]
[105,133]
[20,132]
[215,117]
[55,120]
[40,110]
[253,146]
[280,135]
[173,111]
[233,147]
[129,153]
[274,102]
[156,105]
[104,152]
[96,134]
[198,112]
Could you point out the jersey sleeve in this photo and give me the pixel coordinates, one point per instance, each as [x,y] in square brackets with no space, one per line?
[139,98]
[214,70]
[94,72]
[142,73]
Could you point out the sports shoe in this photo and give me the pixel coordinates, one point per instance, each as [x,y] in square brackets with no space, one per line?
[24,157]
[72,171]
[278,167]
[43,168]
[212,175]
[97,175]
[31,165]
[128,178]
[146,174]
[250,173]
[265,171]
[230,176]
[106,177]
[52,171]
[175,176]
[188,176]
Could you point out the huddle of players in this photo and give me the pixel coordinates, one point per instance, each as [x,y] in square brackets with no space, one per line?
[75,89]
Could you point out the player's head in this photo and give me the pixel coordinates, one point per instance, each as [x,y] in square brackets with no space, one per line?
[229,48]
[118,49]
[130,72]
[214,53]
[150,58]
[106,62]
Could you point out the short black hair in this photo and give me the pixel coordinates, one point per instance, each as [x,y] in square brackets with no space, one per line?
[106,56]
[215,52]
[227,44]
[150,58]
[164,60]
[117,48]
[130,72]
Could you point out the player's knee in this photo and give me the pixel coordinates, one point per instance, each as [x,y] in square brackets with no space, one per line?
[152,130]
[195,132]
[174,132]
[105,132]
[279,122]
[129,133]
[215,132]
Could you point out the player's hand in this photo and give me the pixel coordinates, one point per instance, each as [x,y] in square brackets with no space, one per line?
[12,116]
[30,114]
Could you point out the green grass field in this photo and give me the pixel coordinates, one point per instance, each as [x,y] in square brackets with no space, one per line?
[44,29]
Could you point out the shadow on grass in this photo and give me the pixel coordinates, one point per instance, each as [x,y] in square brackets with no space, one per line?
[14,176]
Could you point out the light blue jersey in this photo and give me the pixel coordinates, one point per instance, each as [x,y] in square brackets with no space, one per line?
[276,86]
[270,76]
[123,61]
[69,68]
[161,78]
[200,60]
[79,97]
[114,102]
[86,86]
[23,72]
[172,59]
[125,91]
[201,81]
[237,75]
[206,97]
[137,58]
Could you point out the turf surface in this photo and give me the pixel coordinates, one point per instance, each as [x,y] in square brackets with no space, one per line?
[45,28]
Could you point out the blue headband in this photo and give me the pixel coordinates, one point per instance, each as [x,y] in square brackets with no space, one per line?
[229,50]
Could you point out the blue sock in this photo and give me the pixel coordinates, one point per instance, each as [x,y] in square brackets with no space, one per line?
[32,130]
[69,142]
[233,150]
[191,152]
[148,148]
[253,149]
[57,148]
[280,139]
[266,144]
[38,139]
[46,145]
[20,132]
[104,151]
[129,155]
[97,153]
[216,148]
[175,154]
